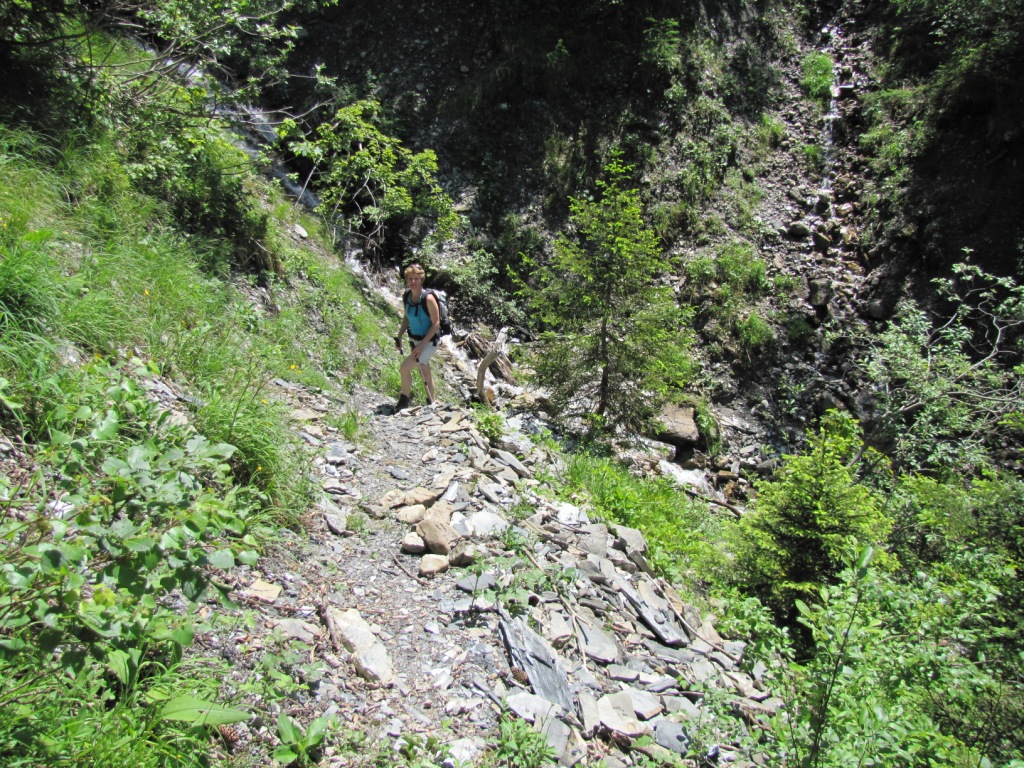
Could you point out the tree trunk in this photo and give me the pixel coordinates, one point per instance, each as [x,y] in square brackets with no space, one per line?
[602,393]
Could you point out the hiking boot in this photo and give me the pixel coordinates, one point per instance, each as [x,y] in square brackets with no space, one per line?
[402,404]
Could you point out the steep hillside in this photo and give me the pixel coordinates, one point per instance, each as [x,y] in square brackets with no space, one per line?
[774,148]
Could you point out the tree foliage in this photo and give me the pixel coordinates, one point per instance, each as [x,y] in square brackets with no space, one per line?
[367,175]
[811,517]
[617,341]
[946,386]
[238,40]
[895,677]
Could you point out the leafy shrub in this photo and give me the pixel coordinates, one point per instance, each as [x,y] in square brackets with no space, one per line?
[737,266]
[520,746]
[881,679]
[490,424]
[941,392]
[701,271]
[145,507]
[367,175]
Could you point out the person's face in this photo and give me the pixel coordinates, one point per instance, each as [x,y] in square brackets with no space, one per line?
[414,281]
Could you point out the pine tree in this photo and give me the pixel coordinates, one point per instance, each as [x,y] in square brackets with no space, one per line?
[616,339]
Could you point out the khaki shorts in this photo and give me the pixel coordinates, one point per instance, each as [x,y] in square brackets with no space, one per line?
[428,352]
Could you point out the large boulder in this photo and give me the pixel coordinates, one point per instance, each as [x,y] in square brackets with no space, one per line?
[679,428]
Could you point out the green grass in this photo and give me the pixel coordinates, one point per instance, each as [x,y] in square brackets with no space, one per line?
[681,533]
[104,286]
[770,132]
[817,78]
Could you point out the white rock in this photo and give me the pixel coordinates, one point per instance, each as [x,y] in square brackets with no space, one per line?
[413,544]
[486,524]
[431,565]
[616,714]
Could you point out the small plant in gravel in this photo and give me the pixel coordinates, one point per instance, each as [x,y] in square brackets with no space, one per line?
[490,424]
[415,751]
[349,423]
[300,747]
[520,746]
[357,522]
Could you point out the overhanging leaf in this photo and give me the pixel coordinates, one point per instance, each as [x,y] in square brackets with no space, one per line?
[195,711]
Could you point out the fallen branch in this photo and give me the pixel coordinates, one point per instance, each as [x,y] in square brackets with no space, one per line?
[708,500]
[409,573]
[489,358]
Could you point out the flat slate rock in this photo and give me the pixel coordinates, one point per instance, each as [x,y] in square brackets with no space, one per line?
[535,656]
[657,618]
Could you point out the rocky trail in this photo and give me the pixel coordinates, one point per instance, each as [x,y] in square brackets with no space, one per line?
[436,589]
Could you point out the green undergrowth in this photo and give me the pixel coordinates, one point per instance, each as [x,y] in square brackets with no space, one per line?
[137,364]
[680,532]
[122,506]
[729,282]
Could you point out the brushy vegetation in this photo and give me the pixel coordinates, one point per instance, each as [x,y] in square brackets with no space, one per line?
[140,254]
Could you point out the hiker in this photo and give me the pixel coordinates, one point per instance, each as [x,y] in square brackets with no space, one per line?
[422,319]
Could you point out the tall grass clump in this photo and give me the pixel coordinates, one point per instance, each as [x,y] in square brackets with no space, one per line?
[111,275]
[817,78]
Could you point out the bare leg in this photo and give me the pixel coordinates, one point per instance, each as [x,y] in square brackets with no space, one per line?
[406,372]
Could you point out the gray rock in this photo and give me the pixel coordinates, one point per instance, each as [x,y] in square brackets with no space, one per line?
[681,705]
[645,705]
[486,524]
[337,453]
[654,612]
[616,714]
[629,540]
[557,630]
[476,582]
[465,553]
[819,291]
[679,424]
[672,735]
[662,684]
[597,644]
[619,672]
[588,713]
[511,461]
[544,668]
[369,655]
[798,230]
[594,539]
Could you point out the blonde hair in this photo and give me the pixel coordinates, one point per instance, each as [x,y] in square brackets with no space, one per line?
[414,270]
